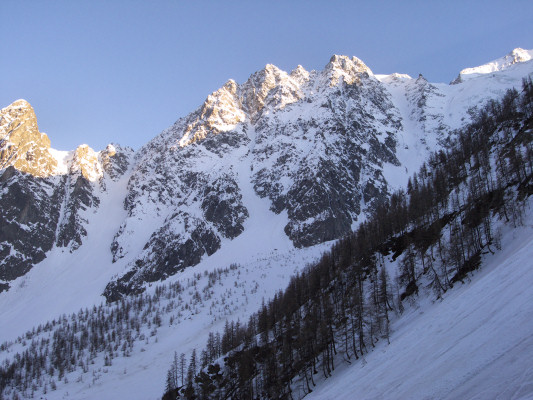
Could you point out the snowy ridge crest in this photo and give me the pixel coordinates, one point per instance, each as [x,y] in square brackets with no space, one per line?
[267,90]
[516,56]
[233,104]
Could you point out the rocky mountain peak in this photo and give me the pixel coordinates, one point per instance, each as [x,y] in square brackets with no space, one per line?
[421,79]
[230,86]
[300,75]
[220,112]
[233,103]
[346,68]
[85,161]
[268,87]
[21,144]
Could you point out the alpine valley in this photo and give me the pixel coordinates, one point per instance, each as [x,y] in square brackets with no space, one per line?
[113,260]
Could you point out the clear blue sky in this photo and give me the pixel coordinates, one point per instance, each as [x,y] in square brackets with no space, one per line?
[122,71]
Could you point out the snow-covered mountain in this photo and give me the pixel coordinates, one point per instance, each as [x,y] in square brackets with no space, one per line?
[514,57]
[226,205]
[306,155]
[323,147]
[47,195]
[264,170]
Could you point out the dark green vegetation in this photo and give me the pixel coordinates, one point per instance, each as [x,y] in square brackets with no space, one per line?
[436,230]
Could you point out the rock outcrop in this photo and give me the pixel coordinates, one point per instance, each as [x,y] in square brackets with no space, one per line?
[21,144]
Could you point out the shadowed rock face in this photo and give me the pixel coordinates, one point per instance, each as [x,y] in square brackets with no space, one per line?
[29,213]
[166,253]
[71,230]
[37,213]
[199,202]
[222,206]
[325,167]
[115,160]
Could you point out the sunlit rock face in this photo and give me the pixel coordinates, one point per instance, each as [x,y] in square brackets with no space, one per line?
[349,70]
[21,144]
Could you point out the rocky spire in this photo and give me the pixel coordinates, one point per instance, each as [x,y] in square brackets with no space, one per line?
[270,87]
[21,144]
[343,67]
[220,112]
[300,75]
[85,161]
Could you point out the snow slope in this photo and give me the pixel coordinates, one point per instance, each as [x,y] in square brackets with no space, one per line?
[237,294]
[476,343]
[429,111]
[242,290]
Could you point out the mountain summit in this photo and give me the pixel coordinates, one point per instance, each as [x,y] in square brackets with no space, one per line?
[21,144]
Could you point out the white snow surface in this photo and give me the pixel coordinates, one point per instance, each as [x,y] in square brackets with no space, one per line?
[518,55]
[141,376]
[476,343]
[63,158]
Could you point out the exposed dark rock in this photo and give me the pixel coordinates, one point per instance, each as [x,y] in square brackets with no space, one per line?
[323,190]
[29,211]
[80,197]
[115,160]
[165,254]
[222,205]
